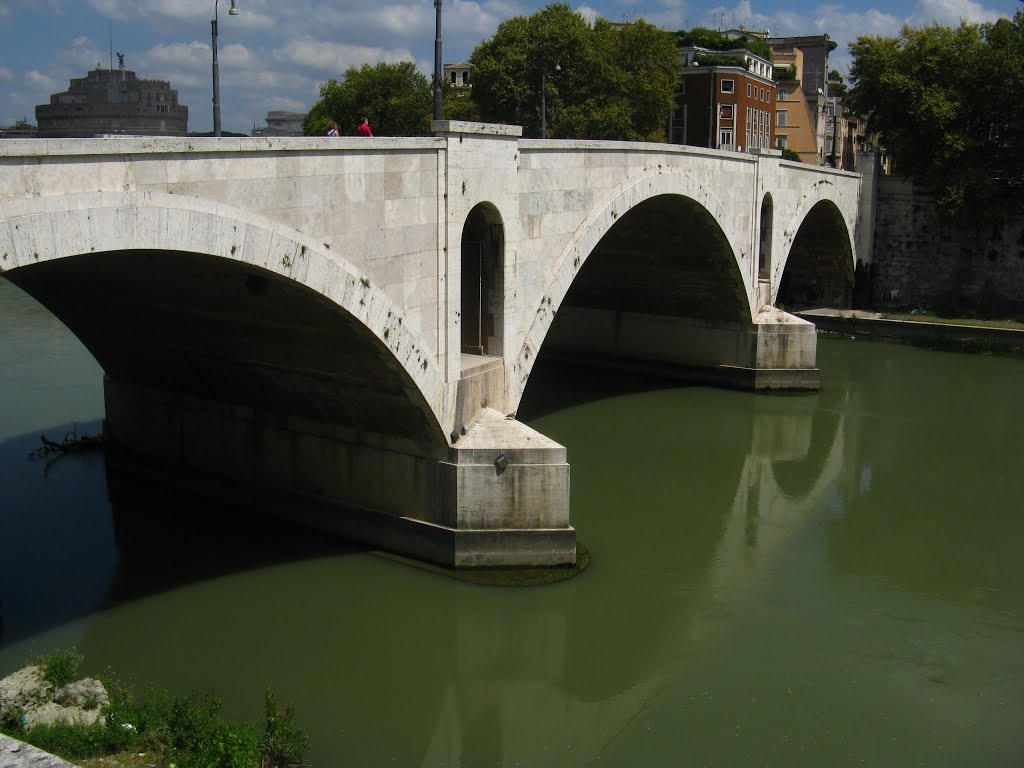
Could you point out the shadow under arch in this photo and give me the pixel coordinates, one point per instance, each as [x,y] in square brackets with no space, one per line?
[818,271]
[483,281]
[668,259]
[216,328]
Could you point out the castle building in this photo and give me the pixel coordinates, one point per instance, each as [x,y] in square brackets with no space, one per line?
[113,101]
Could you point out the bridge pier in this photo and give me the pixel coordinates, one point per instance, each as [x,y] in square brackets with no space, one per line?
[778,351]
[498,497]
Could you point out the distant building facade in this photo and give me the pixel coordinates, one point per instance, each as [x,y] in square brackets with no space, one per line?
[281,123]
[725,100]
[457,75]
[113,101]
[796,123]
[812,77]
[20,130]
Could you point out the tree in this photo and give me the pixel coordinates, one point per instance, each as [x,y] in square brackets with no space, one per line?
[946,103]
[396,98]
[602,82]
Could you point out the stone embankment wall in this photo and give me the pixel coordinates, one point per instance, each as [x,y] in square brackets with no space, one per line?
[924,260]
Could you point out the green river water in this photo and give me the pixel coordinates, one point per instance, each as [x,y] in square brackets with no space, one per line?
[822,580]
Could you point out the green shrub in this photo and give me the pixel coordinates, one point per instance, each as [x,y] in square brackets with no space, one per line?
[283,743]
[60,667]
[189,731]
[72,741]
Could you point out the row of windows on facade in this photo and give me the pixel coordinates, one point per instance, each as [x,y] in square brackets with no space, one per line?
[729,86]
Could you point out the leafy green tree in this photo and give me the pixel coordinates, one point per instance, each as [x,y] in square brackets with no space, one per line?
[609,81]
[946,103]
[396,98]
[702,37]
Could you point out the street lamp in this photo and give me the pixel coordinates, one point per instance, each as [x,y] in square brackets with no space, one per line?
[216,71]
[437,60]
[544,98]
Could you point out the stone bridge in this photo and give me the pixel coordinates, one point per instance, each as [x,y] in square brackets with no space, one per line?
[341,330]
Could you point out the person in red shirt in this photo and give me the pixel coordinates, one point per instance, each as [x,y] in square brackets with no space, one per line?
[364,128]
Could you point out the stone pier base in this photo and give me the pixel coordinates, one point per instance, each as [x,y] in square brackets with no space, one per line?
[498,497]
[778,351]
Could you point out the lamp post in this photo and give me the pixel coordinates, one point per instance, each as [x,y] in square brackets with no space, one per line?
[437,60]
[544,98]
[216,71]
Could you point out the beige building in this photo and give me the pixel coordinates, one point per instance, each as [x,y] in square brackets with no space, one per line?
[280,123]
[795,121]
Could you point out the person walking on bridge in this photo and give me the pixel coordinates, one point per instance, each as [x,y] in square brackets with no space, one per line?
[364,128]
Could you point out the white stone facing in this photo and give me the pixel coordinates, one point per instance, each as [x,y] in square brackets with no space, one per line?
[391,211]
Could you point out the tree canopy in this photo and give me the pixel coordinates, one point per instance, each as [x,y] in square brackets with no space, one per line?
[702,37]
[947,104]
[606,81]
[397,99]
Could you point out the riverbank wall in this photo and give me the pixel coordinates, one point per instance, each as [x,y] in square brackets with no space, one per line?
[944,336]
[923,259]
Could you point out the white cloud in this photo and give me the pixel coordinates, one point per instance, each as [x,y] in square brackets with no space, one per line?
[6,74]
[950,12]
[39,81]
[588,13]
[334,58]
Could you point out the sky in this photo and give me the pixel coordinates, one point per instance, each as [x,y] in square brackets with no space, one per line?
[275,54]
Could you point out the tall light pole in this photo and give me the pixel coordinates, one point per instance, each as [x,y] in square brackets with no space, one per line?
[216,71]
[544,98]
[438,75]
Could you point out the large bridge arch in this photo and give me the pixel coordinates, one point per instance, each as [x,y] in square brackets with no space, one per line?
[144,241]
[653,192]
[819,258]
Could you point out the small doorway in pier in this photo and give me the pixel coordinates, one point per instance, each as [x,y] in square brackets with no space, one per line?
[483,281]
[764,258]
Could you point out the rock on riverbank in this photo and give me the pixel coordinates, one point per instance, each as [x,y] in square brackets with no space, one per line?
[27,695]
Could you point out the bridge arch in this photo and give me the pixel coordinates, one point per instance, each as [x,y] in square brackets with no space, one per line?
[674,200]
[483,281]
[818,267]
[316,316]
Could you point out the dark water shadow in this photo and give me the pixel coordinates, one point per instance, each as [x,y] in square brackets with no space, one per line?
[556,384]
[77,537]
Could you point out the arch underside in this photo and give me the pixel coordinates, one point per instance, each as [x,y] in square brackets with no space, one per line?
[662,268]
[819,268]
[231,332]
[667,257]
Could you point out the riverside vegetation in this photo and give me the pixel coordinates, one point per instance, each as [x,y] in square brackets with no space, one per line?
[151,727]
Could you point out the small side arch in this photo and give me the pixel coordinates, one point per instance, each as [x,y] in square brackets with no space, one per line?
[766,227]
[483,281]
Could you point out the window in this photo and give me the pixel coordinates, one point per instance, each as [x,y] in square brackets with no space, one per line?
[781,142]
[728,86]
[748,90]
[682,88]
[455,78]
[781,96]
[725,111]
[725,138]
[780,117]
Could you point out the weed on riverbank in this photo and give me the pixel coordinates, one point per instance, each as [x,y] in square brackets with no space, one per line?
[152,727]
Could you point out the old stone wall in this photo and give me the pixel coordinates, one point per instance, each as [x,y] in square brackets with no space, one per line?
[923,259]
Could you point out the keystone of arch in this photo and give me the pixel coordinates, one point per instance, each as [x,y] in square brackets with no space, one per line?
[34,230]
[618,202]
